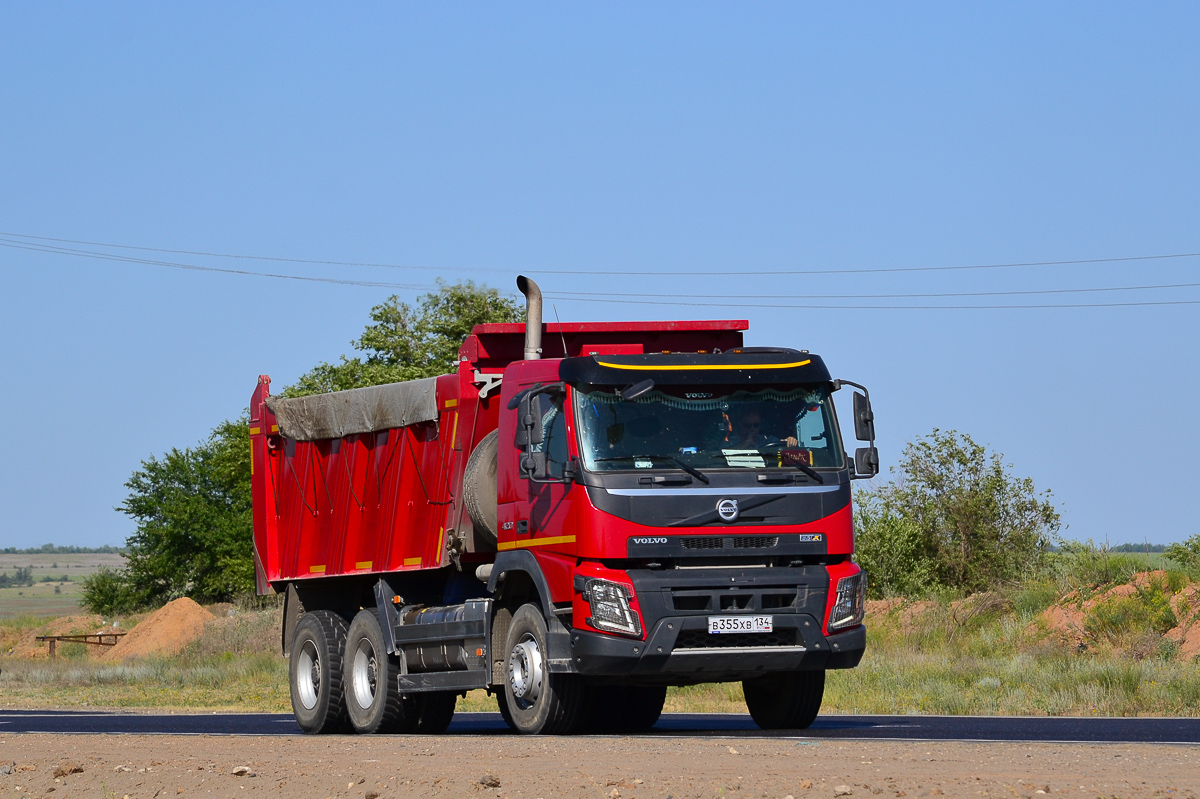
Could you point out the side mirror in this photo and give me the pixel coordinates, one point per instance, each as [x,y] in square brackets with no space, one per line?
[864,418]
[529,428]
[866,461]
[533,465]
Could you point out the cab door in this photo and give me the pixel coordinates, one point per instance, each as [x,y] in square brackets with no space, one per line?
[550,501]
[536,511]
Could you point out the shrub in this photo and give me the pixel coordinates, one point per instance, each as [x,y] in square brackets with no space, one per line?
[109,593]
[955,517]
[1187,555]
[1147,610]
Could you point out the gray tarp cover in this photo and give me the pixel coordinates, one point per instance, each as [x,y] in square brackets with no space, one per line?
[359,410]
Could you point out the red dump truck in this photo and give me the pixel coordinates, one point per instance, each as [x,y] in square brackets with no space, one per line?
[579,517]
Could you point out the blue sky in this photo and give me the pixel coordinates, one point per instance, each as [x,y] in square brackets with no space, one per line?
[704,140]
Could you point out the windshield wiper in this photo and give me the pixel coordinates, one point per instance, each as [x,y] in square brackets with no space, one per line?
[692,470]
[811,472]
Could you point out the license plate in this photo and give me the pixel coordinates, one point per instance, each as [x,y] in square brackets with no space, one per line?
[740,624]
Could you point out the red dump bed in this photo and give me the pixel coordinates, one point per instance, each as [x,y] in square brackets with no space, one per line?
[389,500]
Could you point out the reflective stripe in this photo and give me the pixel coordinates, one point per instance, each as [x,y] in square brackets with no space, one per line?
[744,367]
[536,542]
[725,492]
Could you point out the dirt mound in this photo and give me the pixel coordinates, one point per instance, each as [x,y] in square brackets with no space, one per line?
[163,632]
[1186,607]
[1065,623]
[27,645]
[1066,619]
[908,612]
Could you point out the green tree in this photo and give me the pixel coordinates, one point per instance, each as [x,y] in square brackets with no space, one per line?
[404,342]
[955,516]
[192,507]
[193,537]
[1186,554]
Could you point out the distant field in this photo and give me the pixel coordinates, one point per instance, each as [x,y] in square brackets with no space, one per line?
[40,599]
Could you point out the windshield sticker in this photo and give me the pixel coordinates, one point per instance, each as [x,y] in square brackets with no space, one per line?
[744,458]
[642,464]
[793,457]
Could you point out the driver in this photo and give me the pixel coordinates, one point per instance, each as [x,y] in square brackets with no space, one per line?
[747,432]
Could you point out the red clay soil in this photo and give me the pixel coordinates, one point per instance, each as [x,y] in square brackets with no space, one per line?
[164,632]
[1066,618]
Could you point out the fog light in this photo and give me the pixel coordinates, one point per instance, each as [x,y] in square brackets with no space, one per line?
[851,602]
[610,607]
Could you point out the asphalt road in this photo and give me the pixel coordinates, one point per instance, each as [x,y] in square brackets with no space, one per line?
[926,728]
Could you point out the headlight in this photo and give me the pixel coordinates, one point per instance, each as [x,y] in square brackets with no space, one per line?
[610,607]
[851,602]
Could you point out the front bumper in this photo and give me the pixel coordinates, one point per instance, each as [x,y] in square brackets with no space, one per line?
[659,655]
[675,606]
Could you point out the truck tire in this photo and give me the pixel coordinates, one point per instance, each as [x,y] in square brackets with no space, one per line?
[434,712]
[643,706]
[479,489]
[315,672]
[623,708]
[502,704]
[539,702]
[373,699]
[785,700]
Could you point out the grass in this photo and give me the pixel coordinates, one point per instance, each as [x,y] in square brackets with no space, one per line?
[987,654]
[40,599]
[235,665]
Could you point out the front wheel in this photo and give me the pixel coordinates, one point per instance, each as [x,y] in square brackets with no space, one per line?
[538,702]
[643,706]
[315,672]
[787,700]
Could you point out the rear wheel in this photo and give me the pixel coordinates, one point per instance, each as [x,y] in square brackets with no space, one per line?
[539,702]
[315,672]
[373,699]
[785,700]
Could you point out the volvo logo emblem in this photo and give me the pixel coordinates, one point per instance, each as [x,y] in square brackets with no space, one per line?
[727,509]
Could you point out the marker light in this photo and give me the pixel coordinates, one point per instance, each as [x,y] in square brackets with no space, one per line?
[610,607]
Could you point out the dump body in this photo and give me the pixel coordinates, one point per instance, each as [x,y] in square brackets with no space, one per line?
[382,501]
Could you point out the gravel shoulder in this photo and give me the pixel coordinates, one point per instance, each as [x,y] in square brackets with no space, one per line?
[155,766]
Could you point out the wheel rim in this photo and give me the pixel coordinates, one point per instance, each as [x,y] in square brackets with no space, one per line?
[526,671]
[308,675]
[364,673]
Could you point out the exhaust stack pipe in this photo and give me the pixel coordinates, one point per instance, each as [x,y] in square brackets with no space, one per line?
[533,317]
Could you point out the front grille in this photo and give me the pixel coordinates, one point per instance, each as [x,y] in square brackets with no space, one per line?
[702,639]
[756,542]
[738,542]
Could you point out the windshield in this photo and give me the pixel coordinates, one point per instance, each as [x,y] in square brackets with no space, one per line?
[708,429]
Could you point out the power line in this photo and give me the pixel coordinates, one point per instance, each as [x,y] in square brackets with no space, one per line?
[585,294]
[876,307]
[225,255]
[725,301]
[196,268]
[872,270]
